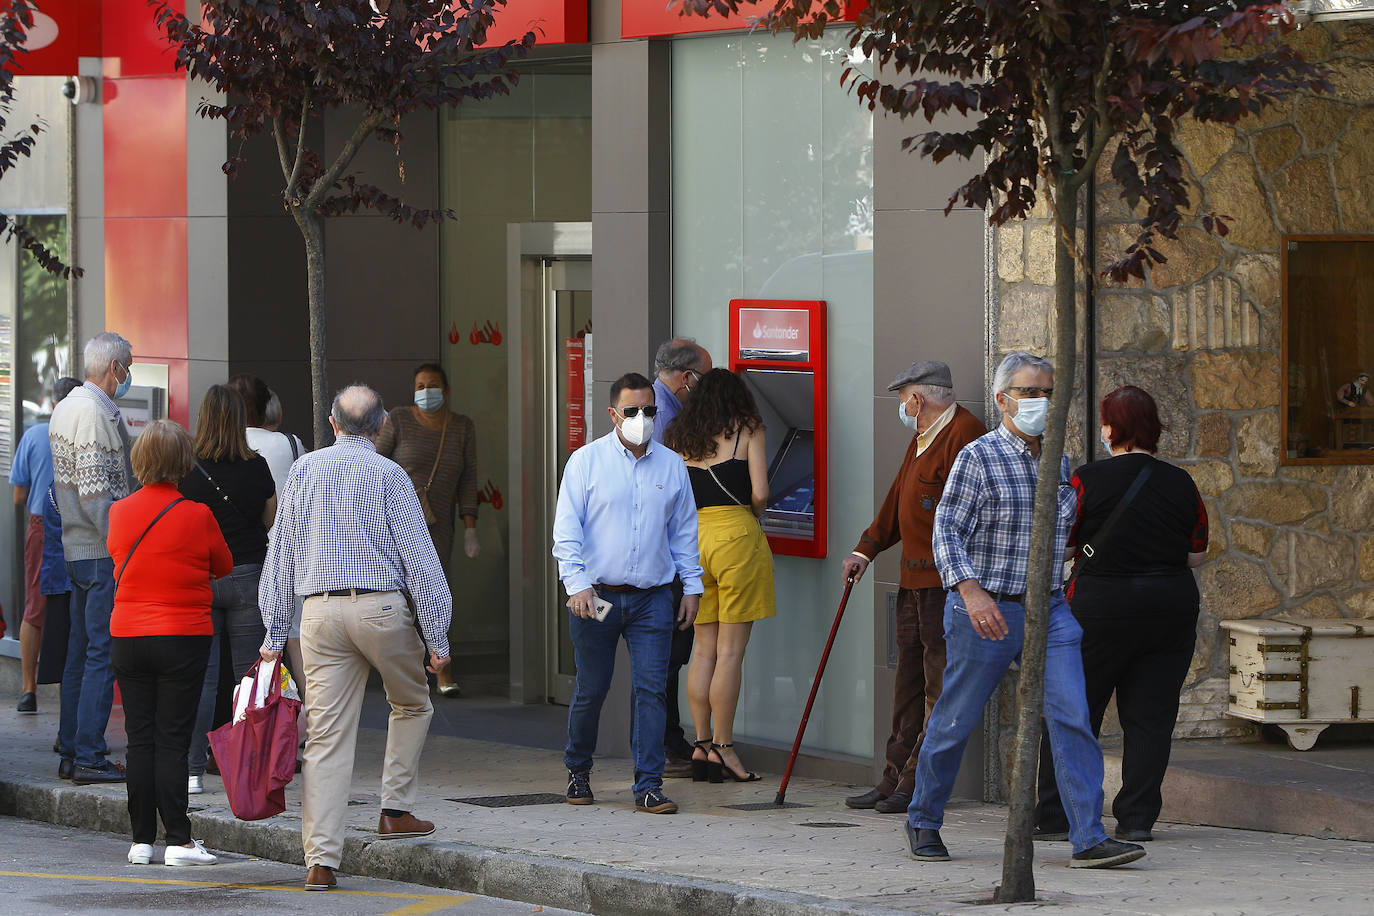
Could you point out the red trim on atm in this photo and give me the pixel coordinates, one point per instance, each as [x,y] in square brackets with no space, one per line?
[815,361]
[554,22]
[659,18]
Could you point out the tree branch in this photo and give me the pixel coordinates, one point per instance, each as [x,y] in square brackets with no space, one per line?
[300,143]
[279,134]
[1102,131]
[350,149]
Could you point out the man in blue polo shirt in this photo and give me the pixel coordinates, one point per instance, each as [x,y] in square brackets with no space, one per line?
[626,524]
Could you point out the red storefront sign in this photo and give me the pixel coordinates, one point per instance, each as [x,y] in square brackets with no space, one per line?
[656,18]
[575,355]
[63,30]
[775,333]
[553,22]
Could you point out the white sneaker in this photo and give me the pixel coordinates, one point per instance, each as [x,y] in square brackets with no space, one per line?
[140,854]
[195,785]
[195,855]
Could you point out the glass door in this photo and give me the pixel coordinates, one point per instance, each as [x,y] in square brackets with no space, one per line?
[568,418]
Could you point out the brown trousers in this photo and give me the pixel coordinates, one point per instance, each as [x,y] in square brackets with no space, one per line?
[341,638]
[919,679]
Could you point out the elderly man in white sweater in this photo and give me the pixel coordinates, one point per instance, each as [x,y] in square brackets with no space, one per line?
[90,461]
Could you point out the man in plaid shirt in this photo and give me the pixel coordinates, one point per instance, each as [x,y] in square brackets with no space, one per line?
[981,543]
[351,540]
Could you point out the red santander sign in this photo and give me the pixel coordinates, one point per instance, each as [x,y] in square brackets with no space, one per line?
[775,332]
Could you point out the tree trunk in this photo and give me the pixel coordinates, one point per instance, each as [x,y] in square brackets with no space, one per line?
[1018,881]
[312,229]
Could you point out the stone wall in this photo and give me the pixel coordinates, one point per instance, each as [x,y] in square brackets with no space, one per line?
[1202,335]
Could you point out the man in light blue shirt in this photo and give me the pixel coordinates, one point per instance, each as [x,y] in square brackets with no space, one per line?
[31,475]
[626,524]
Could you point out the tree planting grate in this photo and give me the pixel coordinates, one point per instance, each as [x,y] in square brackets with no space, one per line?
[766,806]
[512,801]
[825,824]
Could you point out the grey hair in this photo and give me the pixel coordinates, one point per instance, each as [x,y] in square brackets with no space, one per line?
[937,395]
[103,349]
[1014,363]
[358,410]
[271,414]
[677,354]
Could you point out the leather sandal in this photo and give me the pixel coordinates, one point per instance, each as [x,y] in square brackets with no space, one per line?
[719,772]
[701,768]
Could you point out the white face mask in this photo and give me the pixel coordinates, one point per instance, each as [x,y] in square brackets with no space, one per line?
[1031,414]
[636,430]
[1106,443]
[908,421]
[429,399]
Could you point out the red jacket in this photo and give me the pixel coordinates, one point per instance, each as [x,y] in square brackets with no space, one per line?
[165,591]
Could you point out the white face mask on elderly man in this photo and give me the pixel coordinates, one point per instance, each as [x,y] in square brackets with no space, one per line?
[637,429]
[908,421]
[1031,414]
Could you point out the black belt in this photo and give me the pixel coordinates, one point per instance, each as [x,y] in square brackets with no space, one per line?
[346,593]
[623,589]
[1018,598]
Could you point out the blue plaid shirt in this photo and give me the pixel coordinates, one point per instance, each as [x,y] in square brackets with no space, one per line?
[349,518]
[983,522]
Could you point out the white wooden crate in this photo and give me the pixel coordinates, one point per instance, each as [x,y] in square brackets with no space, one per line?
[1302,674]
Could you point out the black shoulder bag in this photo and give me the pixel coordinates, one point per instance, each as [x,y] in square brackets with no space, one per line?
[1087,552]
[125,565]
[224,496]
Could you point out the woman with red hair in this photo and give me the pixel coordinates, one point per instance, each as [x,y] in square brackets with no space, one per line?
[1141,529]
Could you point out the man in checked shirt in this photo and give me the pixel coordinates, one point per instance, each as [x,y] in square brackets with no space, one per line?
[351,540]
[981,543]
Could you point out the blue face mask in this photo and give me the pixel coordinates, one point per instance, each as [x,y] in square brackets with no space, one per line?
[429,399]
[124,386]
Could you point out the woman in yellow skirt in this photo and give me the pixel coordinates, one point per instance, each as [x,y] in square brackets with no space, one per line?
[720,436]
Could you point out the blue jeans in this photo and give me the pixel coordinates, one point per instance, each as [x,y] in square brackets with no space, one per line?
[234,612]
[973,668]
[88,678]
[645,619]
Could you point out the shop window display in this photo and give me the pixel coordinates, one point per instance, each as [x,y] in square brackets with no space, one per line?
[1328,349]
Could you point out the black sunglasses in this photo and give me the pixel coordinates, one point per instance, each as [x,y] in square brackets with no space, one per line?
[628,412]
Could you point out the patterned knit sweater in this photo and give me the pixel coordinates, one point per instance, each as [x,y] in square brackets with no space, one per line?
[90,466]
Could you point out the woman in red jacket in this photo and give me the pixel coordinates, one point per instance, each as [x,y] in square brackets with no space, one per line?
[166,549]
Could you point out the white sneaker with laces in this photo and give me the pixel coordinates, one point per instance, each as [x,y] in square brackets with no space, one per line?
[140,854]
[195,785]
[195,854]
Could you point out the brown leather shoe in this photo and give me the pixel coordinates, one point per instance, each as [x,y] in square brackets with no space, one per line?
[407,825]
[320,878]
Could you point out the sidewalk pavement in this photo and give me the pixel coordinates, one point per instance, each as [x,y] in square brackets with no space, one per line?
[821,858]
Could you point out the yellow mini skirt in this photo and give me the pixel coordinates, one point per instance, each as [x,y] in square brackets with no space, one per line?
[737,566]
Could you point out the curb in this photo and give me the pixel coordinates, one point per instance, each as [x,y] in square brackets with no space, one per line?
[465,867]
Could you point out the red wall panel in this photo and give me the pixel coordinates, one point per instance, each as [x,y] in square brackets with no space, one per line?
[653,18]
[131,42]
[145,146]
[145,285]
[554,22]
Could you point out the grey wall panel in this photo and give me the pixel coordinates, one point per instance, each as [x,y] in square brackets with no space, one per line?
[631,169]
[90,288]
[268,319]
[207,319]
[380,163]
[382,287]
[201,374]
[207,148]
[603,20]
[890,439]
[928,289]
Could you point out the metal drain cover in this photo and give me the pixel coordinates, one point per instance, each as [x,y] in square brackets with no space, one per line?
[512,801]
[825,824]
[766,806]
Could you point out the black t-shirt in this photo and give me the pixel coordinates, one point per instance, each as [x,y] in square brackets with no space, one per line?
[1149,544]
[247,485]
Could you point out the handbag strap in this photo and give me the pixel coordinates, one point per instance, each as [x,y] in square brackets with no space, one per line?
[125,565]
[710,470]
[1087,550]
[438,453]
[295,449]
[222,495]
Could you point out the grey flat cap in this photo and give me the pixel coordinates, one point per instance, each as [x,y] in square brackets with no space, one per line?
[924,372]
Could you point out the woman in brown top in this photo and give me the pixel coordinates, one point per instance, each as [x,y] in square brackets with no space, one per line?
[438,449]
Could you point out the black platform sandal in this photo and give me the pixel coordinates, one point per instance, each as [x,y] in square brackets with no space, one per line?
[701,768]
[719,772]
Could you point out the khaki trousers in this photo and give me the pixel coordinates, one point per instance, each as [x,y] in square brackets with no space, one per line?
[342,636]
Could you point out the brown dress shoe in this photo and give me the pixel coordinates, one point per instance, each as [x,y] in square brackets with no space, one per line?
[407,825]
[320,878]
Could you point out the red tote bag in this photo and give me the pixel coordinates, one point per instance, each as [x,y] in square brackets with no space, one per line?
[256,752]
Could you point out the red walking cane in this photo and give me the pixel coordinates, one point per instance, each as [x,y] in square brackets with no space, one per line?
[815,686]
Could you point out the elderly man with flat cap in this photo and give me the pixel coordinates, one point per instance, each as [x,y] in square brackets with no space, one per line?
[925,405]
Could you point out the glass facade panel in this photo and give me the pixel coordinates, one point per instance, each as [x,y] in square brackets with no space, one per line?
[520,158]
[773,198]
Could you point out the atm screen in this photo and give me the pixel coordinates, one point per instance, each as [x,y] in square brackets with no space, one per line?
[792,485]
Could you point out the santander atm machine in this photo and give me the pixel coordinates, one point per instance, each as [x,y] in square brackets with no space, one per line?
[778,347]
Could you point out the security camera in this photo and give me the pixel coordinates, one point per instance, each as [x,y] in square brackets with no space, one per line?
[79,89]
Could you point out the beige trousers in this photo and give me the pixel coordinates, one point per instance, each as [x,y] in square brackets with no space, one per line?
[341,638]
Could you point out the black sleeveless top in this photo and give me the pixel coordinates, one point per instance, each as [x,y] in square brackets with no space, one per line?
[733,473]
[734,488]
